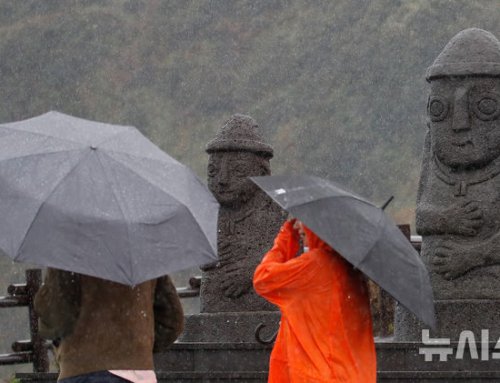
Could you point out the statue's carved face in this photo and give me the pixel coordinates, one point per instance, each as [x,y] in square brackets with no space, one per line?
[228,174]
[464,120]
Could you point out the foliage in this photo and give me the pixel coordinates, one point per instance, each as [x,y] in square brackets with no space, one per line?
[338,86]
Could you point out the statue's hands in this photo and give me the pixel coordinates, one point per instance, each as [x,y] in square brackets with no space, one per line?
[452,260]
[226,252]
[238,272]
[209,266]
[463,219]
[238,281]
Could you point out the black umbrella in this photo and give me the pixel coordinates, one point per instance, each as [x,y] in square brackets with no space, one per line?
[101,200]
[361,232]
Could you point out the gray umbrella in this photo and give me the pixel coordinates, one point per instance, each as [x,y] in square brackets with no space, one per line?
[361,232]
[101,200]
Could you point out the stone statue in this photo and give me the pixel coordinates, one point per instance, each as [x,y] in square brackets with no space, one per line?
[248,219]
[458,203]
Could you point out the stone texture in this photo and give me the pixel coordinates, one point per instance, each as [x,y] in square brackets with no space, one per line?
[206,357]
[471,52]
[248,219]
[398,362]
[459,192]
[453,317]
[458,199]
[458,205]
[229,327]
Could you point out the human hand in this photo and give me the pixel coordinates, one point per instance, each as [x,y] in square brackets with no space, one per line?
[298,226]
[289,224]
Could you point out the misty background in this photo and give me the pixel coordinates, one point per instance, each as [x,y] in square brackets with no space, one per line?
[338,87]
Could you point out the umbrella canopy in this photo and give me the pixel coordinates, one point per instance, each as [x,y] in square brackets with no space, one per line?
[101,200]
[361,232]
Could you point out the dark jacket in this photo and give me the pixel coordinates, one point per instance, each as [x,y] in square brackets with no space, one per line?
[103,325]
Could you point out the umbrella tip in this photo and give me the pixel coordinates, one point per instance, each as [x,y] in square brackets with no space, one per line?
[93,147]
[387,202]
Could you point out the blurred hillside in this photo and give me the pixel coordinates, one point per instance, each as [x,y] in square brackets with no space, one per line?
[337,86]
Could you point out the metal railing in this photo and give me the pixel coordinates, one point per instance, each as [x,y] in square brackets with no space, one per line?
[33,350]
[192,290]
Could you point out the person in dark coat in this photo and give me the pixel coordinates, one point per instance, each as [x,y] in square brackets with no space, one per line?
[104,331]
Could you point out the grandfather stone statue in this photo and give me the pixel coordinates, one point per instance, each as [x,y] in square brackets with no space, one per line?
[458,207]
[248,219]
[458,203]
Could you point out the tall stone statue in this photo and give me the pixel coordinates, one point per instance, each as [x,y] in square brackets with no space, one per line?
[248,219]
[458,202]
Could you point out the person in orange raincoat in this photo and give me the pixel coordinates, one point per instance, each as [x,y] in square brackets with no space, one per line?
[325,333]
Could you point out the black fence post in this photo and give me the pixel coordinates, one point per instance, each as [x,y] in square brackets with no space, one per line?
[40,355]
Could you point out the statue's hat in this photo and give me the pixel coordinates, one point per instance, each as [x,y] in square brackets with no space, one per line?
[471,52]
[240,133]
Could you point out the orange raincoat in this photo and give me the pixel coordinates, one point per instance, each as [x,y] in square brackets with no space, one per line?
[325,333]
